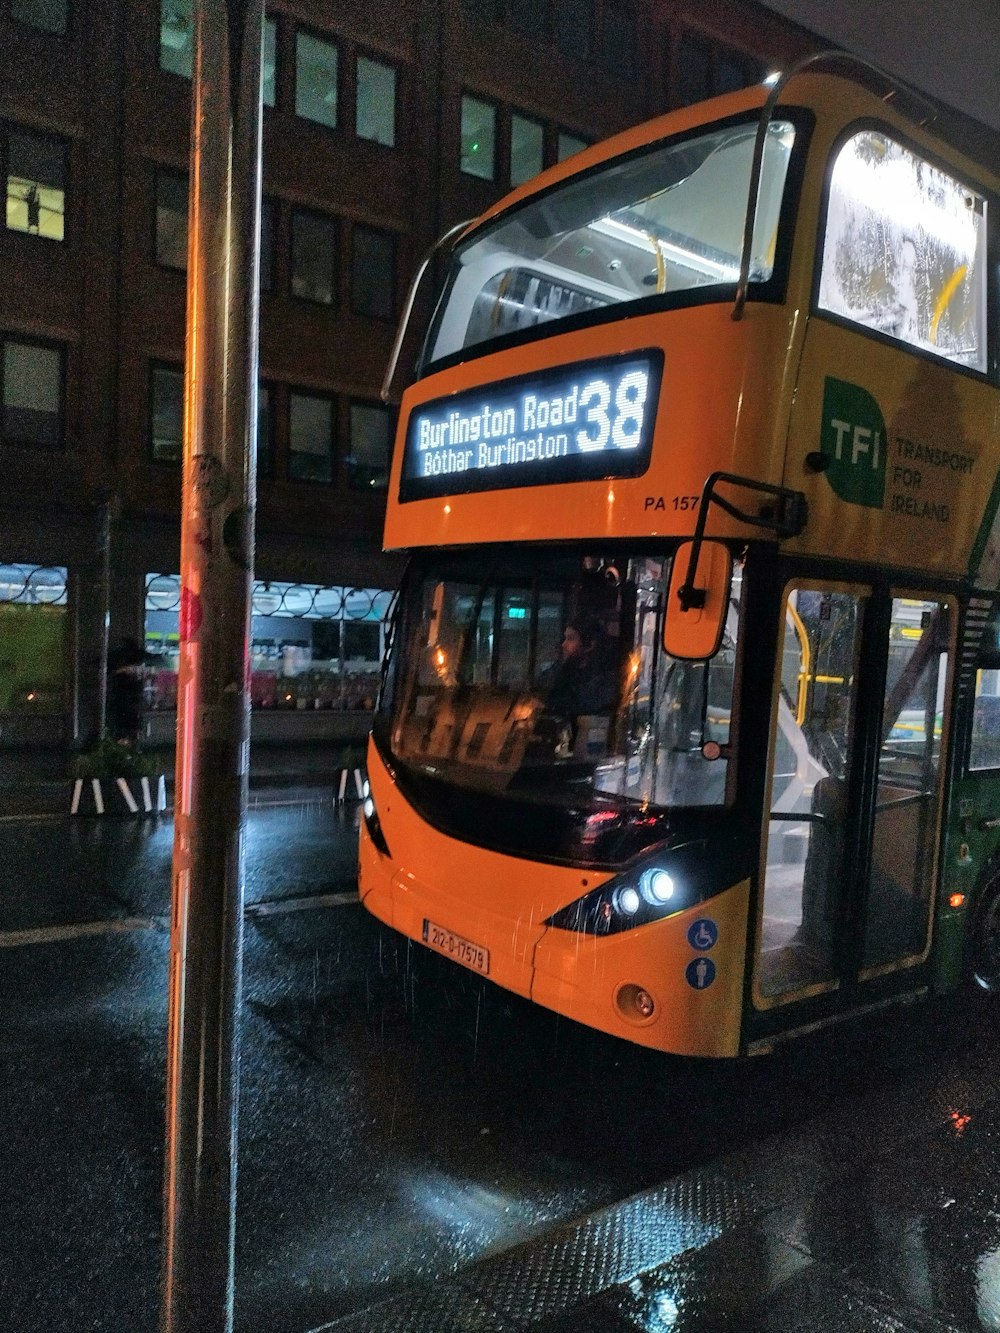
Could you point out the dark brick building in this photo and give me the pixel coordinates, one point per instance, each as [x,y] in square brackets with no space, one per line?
[385,122]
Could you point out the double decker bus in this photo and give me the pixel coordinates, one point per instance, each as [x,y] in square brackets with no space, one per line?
[690,725]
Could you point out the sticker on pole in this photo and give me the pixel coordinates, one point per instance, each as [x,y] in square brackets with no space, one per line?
[700,973]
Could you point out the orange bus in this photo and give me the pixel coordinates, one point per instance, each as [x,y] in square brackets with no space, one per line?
[690,724]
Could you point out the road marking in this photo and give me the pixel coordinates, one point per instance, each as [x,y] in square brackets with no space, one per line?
[33,818]
[10,939]
[274,906]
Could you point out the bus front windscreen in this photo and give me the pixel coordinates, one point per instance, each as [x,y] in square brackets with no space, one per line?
[656,223]
[543,676]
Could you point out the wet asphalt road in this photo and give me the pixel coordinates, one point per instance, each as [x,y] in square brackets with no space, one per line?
[397,1121]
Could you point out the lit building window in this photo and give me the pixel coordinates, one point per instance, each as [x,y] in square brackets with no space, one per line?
[373,273]
[177,45]
[376,108]
[313,646]
[270,72]
[31,394]
[310,437]
[171,219]
[568,144]
[166,413]
[479,138]
[527,148]
[36,184]
[48,15]
[367,459]
[314,257]
[176,37]
[33,632]
[316,79]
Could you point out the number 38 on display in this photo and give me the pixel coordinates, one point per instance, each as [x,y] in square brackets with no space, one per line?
[613,412]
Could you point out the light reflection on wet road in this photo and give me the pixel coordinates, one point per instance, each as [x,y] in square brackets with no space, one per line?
[398,1120]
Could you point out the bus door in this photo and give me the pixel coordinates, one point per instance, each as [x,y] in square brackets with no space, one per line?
[855,786]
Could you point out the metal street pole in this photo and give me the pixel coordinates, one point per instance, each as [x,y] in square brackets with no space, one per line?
[213,717]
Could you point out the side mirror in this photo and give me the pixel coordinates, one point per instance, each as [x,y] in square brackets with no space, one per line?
[697,601]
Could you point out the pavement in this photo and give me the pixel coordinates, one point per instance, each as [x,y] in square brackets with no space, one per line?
[36,782]
[880,1214]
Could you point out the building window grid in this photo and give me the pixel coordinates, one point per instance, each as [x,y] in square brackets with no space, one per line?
[327,658]
[601,32]
[479,123]
[513,127]
[33,585]
[373,272]
[166,412]
[369,444]
[704,68]
[34,632]
[269,73]
[50,16]
[170,219]
[177,45]
[176,37]
[300,601]
[573,27]
[568,145]
[35,168]
[269,215]
[317,78]
[527,147]
[313,251]
[311,436]
[265,429]
[375,99]
[32,396]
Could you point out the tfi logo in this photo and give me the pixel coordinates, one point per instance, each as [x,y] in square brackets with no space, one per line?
[853,439]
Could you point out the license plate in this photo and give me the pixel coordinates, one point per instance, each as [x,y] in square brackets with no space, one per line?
[454,946]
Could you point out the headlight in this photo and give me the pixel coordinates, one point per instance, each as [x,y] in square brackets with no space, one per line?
[658,885]
[373,824]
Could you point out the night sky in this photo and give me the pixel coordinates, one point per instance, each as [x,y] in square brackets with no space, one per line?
[950,51]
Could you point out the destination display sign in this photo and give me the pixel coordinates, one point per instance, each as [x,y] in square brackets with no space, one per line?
[582,422]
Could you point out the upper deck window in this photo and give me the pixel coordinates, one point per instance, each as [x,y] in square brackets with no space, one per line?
[904,251]
[664,221]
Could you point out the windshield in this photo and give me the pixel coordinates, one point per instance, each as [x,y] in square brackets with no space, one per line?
[660,222]
[544,676]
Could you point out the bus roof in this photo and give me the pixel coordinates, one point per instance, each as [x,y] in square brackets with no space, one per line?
[971,147]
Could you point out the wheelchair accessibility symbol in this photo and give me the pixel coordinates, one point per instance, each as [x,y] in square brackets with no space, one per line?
[700,973]
[703,934]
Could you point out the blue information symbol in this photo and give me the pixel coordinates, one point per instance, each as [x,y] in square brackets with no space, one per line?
[700,973]
[703,933]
